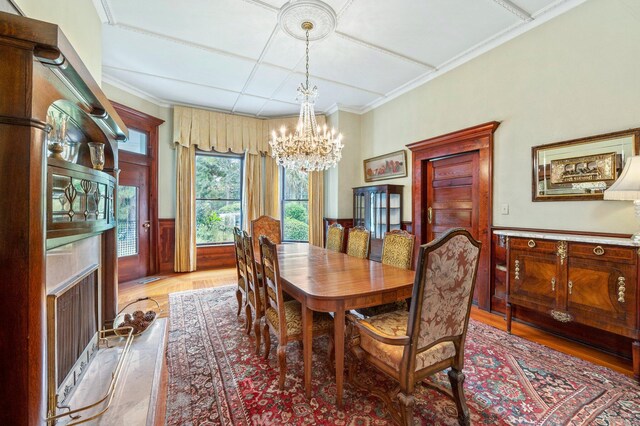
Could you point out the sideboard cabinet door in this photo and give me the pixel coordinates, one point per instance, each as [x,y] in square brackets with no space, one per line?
[534,277]
[602,292]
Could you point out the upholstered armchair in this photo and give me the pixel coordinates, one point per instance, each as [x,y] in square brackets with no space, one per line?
[241,267]
[255,304]
[397,250]
[267,226]
[410,346]
[335,237]
[284,318]
[358,244]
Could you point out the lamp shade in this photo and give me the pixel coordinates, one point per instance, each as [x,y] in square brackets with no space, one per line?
[627,187]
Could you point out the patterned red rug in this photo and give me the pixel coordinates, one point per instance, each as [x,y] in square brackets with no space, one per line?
[215,378]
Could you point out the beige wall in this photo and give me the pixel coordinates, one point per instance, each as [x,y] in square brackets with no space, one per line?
[339,179]
[574,76]
[79,22]
[166,151]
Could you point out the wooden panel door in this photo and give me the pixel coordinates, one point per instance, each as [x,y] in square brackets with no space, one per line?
[134,222]
[534,279]
[452,194]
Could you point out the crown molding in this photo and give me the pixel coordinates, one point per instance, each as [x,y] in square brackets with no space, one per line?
[555,9]
[115,82]
[339,107]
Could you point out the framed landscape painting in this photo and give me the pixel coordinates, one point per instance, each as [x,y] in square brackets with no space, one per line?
[387,166]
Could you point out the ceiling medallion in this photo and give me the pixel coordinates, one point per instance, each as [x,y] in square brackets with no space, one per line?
[309,148]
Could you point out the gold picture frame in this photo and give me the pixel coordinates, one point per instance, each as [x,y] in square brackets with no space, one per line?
[581,169]
[387,166]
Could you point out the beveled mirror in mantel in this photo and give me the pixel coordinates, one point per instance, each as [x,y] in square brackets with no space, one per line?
[581,169]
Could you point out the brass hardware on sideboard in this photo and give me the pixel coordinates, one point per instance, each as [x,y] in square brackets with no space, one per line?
[621,289]
[562,251]
[598,251]
[561,316]
[570,285]
[553,284]
[531,243]
[517,270]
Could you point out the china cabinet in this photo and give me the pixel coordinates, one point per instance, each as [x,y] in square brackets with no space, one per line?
[379,209]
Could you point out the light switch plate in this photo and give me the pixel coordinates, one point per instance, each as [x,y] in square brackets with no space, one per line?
[504,208]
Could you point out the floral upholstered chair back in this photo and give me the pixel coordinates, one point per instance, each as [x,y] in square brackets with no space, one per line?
[267,226]
[241,267]
[443,291]
[273,298]
[397,249]
[358,244]
[253,285]
[335,237]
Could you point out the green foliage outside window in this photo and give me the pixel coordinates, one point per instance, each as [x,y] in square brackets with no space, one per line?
[218,198]
[295,205]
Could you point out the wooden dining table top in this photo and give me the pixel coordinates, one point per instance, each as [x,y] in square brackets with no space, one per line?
[325,274]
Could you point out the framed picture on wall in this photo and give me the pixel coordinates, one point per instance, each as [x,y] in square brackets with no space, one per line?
[387,166]
[581,169]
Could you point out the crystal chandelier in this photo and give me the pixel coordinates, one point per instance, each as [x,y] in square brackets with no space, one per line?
[309,148]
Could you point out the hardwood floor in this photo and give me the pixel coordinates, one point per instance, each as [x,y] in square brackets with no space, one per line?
[159,290]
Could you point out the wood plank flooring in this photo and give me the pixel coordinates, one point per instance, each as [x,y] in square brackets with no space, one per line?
[160,290]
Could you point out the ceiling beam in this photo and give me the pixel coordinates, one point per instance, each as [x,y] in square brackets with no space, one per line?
[256,66]
[385,51]
[512,7]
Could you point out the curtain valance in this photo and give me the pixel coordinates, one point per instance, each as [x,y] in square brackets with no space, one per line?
[210,130]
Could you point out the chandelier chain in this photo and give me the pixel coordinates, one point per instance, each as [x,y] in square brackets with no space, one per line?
[307,61]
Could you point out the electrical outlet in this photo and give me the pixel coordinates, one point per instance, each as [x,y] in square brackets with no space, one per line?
[504,208]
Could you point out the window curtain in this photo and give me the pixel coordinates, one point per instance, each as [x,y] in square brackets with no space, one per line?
[316,208]
[185,251]
[208,130]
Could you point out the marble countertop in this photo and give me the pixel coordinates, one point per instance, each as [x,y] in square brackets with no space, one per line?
[567,237]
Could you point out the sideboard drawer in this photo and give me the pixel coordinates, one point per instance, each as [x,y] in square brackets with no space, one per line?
[533,245]
[604,253]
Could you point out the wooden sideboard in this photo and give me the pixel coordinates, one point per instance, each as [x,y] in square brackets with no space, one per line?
[575,279]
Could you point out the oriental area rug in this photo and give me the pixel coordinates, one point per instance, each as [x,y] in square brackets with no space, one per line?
[216,379]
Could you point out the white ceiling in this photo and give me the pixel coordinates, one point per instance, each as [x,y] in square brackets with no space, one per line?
[230,55]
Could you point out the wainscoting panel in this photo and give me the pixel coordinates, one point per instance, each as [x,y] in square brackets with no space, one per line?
[210,257]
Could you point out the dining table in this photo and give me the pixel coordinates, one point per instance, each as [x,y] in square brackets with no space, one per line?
[327,281]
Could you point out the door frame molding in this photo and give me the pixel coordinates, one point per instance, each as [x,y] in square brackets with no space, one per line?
[148,123]
[477,138]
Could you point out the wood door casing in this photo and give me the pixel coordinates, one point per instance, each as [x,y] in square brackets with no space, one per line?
[452,194]
[478,138]
[149,125]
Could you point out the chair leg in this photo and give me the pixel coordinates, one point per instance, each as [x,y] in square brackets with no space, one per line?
[456,378]
[267,340]
[256,330]
[406,408]
[282,362]
[239,297]
[249,318]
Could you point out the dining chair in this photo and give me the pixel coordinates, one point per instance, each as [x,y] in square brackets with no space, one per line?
[335,237]
[397,250]
[241,268]
[358,244]
[267,226]
[255,306]
[284,318]
[410,346]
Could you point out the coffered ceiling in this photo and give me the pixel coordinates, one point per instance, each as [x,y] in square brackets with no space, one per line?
[230,55]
